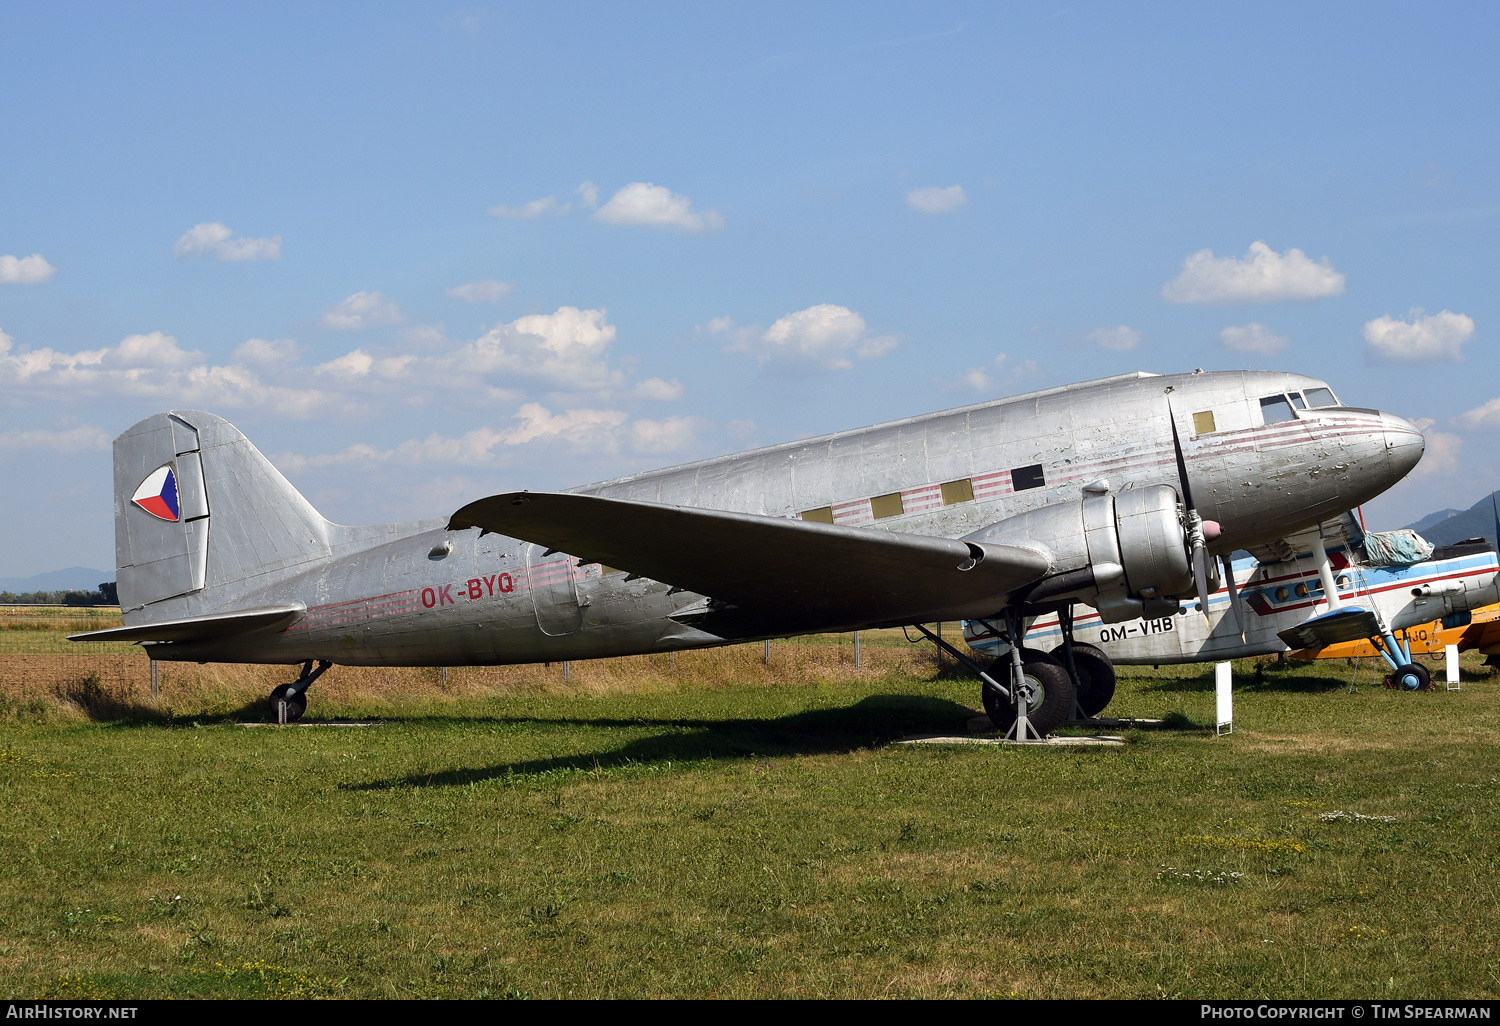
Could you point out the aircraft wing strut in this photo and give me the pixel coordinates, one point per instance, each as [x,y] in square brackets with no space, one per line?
[767,574]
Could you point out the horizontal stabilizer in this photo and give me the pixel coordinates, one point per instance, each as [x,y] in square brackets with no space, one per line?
[200,628]
[1350,623]
[778,574]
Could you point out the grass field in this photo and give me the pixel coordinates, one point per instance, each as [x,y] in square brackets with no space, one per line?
[727,828]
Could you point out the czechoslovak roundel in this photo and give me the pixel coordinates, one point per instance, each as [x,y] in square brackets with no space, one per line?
[157,494]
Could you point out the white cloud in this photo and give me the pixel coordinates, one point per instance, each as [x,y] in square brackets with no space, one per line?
[992,378]
[32,270]
[216,238]
[1485,417]
[1254,338]
[1122,339]
[362,310]
[656,388]
[569,348]
[527,211]
[79,439]
[662,436]
[1441,455]
[740,429]
[1264,276]
[819,338]
[933,200]
[149,366]
[270,352]
[588,195]
[486,290]
[1423,339]
[644,203]
[579,427]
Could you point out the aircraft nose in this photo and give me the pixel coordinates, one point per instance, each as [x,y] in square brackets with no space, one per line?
[1404,443]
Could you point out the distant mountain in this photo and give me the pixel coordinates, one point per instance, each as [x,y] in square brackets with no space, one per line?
[1448,526]
[74,578]
[1433,519]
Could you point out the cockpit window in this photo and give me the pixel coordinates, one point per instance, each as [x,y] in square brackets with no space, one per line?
[1296,398]
[1275,409]
[1320,397]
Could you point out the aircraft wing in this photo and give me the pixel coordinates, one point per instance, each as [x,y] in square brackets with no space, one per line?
[1350,623]
[199,628]
[766,574]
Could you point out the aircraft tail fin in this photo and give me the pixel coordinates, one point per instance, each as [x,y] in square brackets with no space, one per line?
[201,516]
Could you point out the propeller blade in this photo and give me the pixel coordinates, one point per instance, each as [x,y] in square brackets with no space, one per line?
[1194,523]
[1236,607]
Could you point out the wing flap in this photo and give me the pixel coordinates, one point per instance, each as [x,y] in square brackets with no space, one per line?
[1352,623]
[200,628]
[779,573]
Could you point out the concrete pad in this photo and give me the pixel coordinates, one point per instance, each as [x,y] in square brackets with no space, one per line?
[982,724]
[1063,742]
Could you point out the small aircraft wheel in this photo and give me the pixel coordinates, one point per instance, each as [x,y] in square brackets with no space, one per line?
[1097,686]
[1411,677]
[1051,694]
[296,704]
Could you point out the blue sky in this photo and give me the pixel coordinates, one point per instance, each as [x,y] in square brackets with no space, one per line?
[686,230]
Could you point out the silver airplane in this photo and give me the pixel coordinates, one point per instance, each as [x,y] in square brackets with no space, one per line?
[1114,493]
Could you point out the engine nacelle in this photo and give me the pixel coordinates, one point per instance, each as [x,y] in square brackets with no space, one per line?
[1124,553]
[1437,599]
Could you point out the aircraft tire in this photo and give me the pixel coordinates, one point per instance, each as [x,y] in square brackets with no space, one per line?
[1097,687]
[296,705]
[1053,701]
[1411,677]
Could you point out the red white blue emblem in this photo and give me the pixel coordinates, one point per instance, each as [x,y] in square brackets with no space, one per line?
[157,494]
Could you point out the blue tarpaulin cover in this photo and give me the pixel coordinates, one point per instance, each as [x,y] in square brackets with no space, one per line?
[1396,548]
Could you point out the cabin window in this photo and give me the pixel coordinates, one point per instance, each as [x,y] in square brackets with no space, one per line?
[1301,590]
[1203,423]
[1275,409]
[1281,594]
[1296,398]
[958,491]
[821,515]
[1317,398]
[1023,478]
[887,506]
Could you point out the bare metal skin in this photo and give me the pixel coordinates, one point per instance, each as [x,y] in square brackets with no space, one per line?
[250,572]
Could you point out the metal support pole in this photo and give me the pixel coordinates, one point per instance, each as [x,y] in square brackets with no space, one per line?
[672,659]
[767,658]
[155,679]
[966,661]
[856,650]
[940,647]
[1020,696]
[445,676]
[567,671]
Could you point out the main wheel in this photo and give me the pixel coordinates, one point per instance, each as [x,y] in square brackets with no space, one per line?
[296,704]
[1097,678]
[1411,677]
[1051,698]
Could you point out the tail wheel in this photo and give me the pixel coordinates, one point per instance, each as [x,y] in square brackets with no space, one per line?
[1411,677]
[1051,688]
[1096,685]
[296,704]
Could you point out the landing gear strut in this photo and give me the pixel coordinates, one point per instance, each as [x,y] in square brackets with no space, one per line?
[1038,693]
[289,701]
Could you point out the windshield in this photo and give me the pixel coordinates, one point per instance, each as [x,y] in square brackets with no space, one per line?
[1276,409]
[1319,397]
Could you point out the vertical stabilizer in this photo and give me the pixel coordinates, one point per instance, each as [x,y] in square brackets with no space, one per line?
[201,516]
